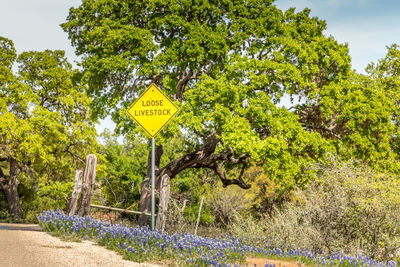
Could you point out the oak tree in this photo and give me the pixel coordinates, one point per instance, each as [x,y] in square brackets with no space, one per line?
[45,131]
[230,66]
[386,73]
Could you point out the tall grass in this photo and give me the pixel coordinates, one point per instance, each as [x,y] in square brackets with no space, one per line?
[350,209]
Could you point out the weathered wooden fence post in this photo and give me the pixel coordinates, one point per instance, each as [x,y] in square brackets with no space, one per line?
[198,217]
[181,211]
[71,208]
[87,186]
[163,204]
[183,207]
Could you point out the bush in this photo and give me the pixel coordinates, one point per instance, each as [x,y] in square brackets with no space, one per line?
[182,249]
[50,195]
[349,209]
[6,217]
[227,204]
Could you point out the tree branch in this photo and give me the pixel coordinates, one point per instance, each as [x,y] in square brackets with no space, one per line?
[183,81]
[3,180]
[311,118]
[205,158]
[226,182]
[328,130]
[199,133]
[180,87]
[239,159]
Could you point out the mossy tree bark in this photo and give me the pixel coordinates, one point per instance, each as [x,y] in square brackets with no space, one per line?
[10,187]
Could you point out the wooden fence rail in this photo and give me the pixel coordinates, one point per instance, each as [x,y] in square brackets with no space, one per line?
[120,210]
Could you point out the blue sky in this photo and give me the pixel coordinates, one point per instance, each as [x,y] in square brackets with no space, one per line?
[367,26]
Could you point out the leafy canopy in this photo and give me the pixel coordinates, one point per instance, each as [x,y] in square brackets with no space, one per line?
[44,116]
[230,65]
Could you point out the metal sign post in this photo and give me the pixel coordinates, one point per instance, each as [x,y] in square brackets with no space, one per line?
[153,206]
[152,111]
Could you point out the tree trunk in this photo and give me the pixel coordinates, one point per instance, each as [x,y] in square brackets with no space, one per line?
[10,189]
[163,203]
[204,157]
[14,206]
[145,201]
[145,187]
[87,186]
[71,208]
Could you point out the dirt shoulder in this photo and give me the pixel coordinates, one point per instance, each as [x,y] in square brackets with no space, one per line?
[25,245]
[268,262]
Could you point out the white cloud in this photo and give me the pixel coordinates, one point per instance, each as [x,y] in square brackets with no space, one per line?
[35,25]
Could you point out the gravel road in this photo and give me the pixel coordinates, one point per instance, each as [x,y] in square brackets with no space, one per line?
[25,245]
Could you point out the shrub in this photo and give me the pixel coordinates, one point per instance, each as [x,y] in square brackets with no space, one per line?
[227,204]
[6,217]
[50,195]
[141,244]
[350,209]
[177,222]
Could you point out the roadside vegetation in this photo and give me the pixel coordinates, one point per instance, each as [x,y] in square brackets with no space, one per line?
[139,244]
[287,147]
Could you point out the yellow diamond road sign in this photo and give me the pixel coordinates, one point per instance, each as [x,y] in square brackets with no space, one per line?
[152,110]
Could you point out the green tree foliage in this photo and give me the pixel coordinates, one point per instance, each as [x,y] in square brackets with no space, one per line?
[125,166]
[50,195]
[387,75]
[45,132]
[230,65]
[359,113]
[125,169]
